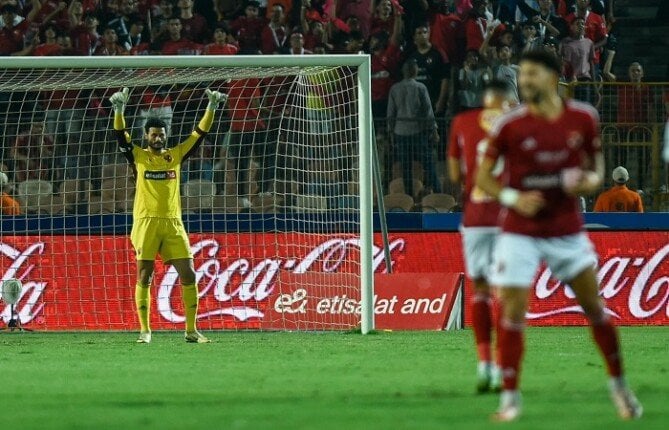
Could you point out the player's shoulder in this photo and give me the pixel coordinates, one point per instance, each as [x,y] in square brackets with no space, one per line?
[513,115]
[582,108]
[467,116]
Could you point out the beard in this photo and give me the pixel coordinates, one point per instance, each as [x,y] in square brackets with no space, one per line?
[532,95]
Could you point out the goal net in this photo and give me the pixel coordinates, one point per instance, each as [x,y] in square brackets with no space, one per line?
[276,200]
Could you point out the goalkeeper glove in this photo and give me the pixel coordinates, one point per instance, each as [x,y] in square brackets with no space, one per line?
[215,98]
[119,99]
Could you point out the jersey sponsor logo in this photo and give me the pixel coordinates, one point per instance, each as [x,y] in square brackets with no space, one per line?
[529,144]
[575,140]
[160,175]
[541,182]
[551,157]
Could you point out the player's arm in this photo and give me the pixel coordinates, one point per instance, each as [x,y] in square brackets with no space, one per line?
[119,100]
[454,154]
[191,144]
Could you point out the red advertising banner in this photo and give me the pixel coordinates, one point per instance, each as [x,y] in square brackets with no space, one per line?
[87,282]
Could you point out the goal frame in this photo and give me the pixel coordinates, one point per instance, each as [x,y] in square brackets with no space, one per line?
[361,62]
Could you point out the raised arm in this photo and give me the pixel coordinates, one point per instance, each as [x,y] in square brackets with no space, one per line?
[190,145]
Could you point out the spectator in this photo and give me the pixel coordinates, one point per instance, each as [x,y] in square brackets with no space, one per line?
[50,46]
[412,121]
[136,37]
[33,155]
[636,110]
[110,44]
[432,71]
[529,39]
[362,9]
[13,32]
[274,34]
[247,28]
[75,15]
[122,21]
[221,45]
[578,55]
[506,71]
[476,24]
[247,130]
[385,61]
[228,10]
[86,37]
[316,34]
[549,24]
[595,26]
[162,14]
[65,43]
[8,204]
[177,44]
[49,10]
[446,34]
[635,101]
[383,18]
[297,44]
[619,198]
[471,80]
[194,25]
[63,123]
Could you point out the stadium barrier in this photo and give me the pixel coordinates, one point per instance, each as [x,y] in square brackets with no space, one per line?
[95,292]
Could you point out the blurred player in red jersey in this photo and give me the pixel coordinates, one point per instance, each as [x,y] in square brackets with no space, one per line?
[552,154]
[467,143]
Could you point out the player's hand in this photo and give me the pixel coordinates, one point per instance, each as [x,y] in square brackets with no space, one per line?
[215,98]
[576,181]
[119,99]
[529,203]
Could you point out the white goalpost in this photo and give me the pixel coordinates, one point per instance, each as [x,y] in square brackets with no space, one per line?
[277,200]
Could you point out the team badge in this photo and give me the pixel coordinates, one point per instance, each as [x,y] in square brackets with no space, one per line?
[167,158]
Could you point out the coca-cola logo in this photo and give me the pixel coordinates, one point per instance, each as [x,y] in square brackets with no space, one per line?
[20,267]
[257,281]
[648,292]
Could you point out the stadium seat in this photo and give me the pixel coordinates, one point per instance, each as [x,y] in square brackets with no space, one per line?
[31,194]
[311,203]
[438,202]
[397,186]
[199,188]
[398,202]
[268,203]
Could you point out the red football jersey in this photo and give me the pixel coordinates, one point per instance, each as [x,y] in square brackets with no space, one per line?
[536,151]
[467,139]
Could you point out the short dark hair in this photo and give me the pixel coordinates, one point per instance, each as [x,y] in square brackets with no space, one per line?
[544,57]
[154,123]
[9,8]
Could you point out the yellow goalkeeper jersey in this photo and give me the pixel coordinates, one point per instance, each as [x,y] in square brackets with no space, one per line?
[158,176]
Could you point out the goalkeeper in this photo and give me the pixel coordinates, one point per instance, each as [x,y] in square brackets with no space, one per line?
[157,226]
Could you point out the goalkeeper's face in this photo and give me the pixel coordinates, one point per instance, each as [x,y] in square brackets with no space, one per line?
[156,137]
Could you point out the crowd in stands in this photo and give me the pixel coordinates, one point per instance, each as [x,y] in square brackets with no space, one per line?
[452,47]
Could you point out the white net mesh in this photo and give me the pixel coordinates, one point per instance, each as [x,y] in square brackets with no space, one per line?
[270,198]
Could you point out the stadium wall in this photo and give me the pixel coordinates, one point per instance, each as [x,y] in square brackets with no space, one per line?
[633,249]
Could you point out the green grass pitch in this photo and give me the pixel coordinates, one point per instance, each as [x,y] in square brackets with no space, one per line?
[390,380]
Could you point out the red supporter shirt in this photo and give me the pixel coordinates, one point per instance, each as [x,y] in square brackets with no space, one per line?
[273,39]
[247,31]
[384,70]
[216,49]
[466,141]
[535,152]
[240,95]
[12,40]
[46,49]
[195,28]
[446,34]
[181,47]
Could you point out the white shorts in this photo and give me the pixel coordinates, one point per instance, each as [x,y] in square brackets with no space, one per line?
[517,257]
[478,244]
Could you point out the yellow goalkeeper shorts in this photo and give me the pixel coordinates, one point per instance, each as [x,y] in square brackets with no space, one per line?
[164,236]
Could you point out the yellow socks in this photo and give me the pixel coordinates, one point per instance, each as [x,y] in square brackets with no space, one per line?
[190,306]
[143,303]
